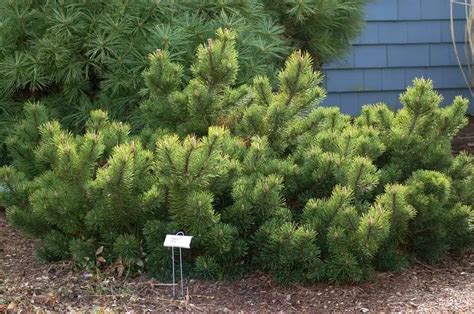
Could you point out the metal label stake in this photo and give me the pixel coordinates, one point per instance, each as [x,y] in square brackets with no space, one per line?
[180,241]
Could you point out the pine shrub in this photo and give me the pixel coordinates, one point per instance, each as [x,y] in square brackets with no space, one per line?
[262,178]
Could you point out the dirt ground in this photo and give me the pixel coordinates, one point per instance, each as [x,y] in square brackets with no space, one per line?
[25,284]
[465,138]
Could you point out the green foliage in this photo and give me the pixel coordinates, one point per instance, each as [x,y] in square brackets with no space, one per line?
[83,252]
[158,259]
[349,239]
[77,56]
[81,55]
[261,178]
[207,96]
[321,27]
[393,255]
[25,136]
[462,173]
[127,247]
[207,267]
[421,131]
[97,186]
[290,253]
[441,223]
[54,247]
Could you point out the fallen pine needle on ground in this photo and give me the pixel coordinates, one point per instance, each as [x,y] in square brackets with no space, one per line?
[26,284]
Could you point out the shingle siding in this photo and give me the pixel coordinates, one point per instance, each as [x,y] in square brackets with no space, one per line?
[409,9]
[389,12]
[370,56]
[403,39]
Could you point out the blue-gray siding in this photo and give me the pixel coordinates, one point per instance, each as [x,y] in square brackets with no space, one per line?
[403,39]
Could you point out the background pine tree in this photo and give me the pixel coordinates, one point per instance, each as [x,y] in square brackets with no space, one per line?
[323,28]
[77,56]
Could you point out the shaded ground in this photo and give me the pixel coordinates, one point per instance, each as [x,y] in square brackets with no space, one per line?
[27,284]
[465,138]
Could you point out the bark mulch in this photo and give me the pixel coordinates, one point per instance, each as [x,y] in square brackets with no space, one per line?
[465,138]
[26,284]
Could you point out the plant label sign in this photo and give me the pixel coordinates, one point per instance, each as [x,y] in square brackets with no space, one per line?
[180,241]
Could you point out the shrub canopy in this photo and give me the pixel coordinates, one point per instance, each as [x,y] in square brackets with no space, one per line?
[262,179]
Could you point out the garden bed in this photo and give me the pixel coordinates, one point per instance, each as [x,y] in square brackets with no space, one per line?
[27,284]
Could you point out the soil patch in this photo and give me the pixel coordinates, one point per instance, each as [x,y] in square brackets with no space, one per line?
[464,140]
[26,284]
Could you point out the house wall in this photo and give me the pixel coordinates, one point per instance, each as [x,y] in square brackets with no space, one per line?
[403,39]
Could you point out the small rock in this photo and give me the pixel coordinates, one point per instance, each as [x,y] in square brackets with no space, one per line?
[12,306]
[364,309]
[413,304]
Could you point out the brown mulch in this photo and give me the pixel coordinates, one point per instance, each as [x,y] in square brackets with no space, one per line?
[25,284]
[464,140]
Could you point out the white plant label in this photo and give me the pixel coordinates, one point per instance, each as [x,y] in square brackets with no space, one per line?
[181,241]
